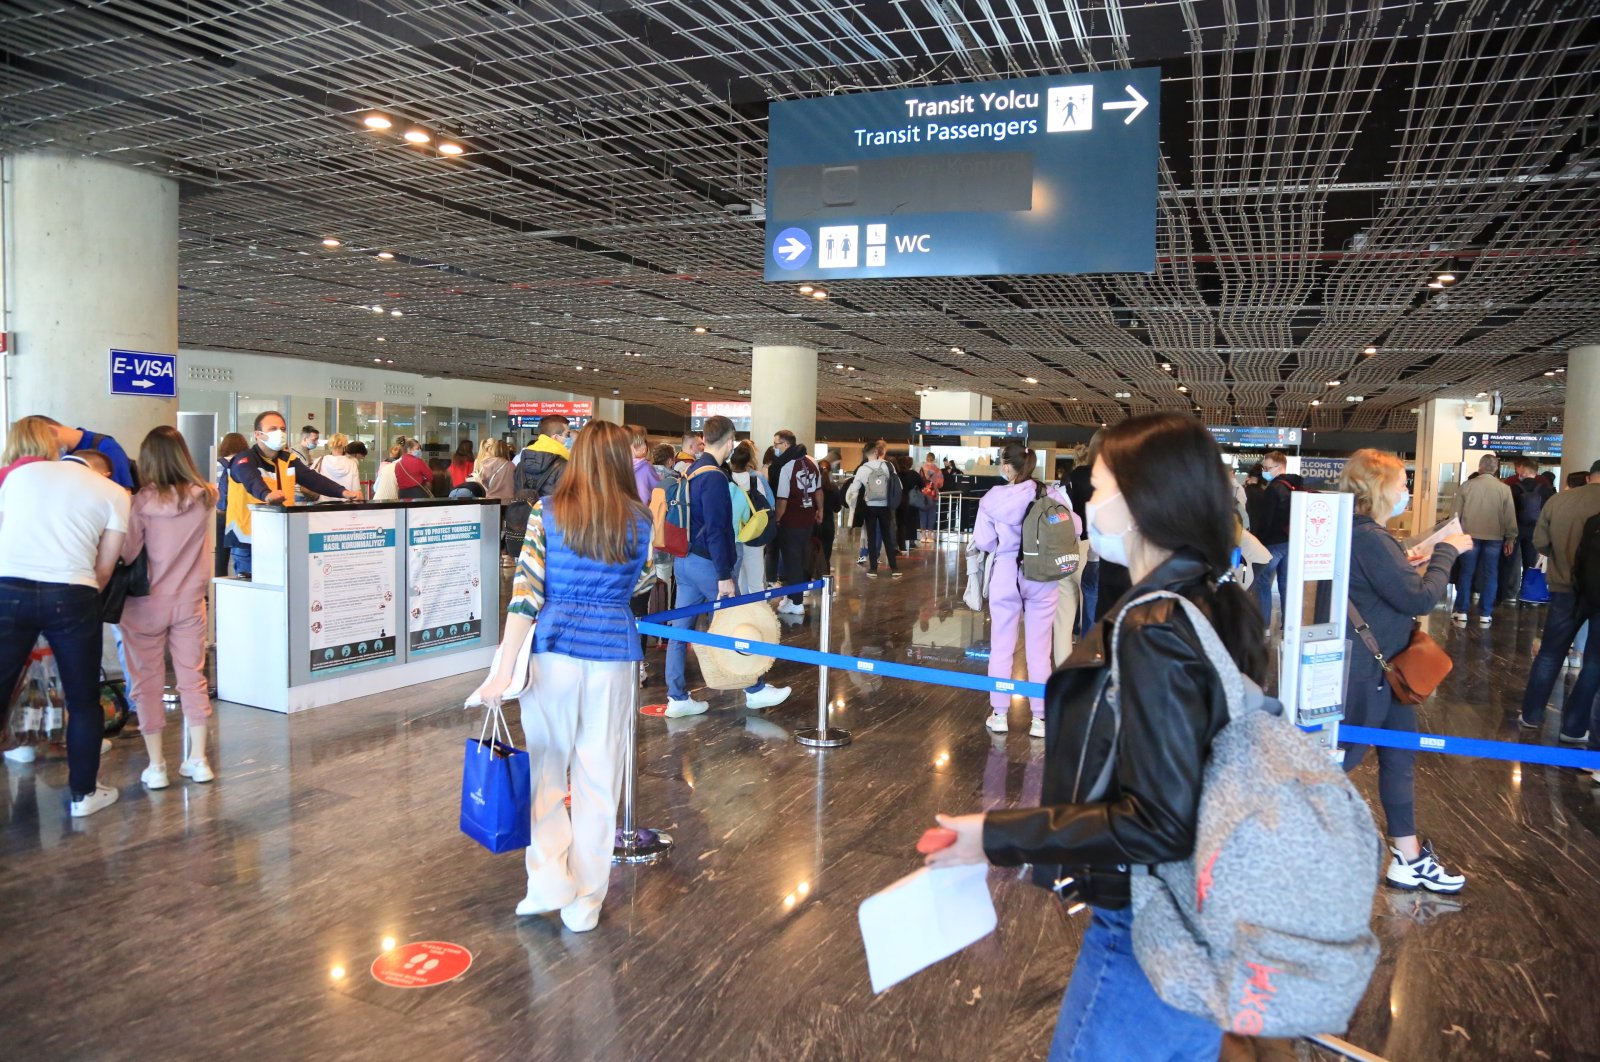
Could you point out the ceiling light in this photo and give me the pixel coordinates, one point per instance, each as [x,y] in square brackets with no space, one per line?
[1446,277]
[417,136]
[1436,285]
[1551,373]
[377,309]
[806,289]
[389,362]
[382,340]
[1356,398]
[1183,390]
[1029,379]
[378,361]
[329,241]
[699,330]
[1124,394]
[446,147]
[376,121]
[838,365]
[580,368]
[1483,394]
[819,294]
[1333,383]
[957,350]
[1166,366]
[1369,351]
[1316,401]
[396,313]
[386,255]
[616,391]
[849,368]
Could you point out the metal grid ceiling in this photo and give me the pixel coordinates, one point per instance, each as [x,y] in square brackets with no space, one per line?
[1322,162]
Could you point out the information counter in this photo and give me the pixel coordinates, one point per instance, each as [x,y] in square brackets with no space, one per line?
[349,600]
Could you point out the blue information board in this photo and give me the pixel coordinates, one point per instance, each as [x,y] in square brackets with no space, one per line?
[1255,438]
[1033,175]
[1510,443]
[1007,428]
[138,372]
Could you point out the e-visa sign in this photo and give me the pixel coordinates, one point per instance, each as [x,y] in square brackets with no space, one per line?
[138,372]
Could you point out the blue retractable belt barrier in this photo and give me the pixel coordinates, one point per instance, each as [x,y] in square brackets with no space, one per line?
[728,602]
[1348,735]
[1459,746]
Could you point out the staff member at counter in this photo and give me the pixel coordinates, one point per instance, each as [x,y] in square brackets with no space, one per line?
[271,474]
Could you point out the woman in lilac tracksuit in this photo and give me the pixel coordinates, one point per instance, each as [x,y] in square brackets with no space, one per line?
[1015,602]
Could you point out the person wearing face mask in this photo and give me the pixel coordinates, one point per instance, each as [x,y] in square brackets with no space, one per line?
[1273,530]
[270,474]
[1016,603]
[1163,506]
[1389,593]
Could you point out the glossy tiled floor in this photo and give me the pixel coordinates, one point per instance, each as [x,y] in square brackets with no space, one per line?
[239,919]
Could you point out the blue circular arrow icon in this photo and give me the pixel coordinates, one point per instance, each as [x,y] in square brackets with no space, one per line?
[792,248]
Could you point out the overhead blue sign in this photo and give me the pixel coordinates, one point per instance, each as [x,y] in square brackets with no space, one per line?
[1034,175]
[1007,428]
[136,372]
[1509,443]
[1263,438]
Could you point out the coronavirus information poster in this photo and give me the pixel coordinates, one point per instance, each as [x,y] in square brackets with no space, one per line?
[444,598]
[351,613]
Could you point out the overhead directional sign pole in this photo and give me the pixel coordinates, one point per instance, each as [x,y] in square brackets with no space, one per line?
[1035,175]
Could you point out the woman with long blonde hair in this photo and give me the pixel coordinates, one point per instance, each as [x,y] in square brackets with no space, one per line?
[169,525]
[586,551]
[492,471]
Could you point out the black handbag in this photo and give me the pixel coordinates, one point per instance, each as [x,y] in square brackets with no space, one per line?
[127,580]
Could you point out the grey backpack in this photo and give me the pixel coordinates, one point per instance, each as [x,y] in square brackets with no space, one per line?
[876,491]
[1265,929]
[1049,550]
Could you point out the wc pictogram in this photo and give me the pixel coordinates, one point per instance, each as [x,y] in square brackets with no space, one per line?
[423,964]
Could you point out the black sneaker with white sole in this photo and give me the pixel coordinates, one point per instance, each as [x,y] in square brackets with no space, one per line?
[1424,872]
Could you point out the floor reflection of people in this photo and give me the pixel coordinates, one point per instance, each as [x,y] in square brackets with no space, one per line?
[997,772]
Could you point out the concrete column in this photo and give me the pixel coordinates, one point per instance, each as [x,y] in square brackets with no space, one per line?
[1580,421]
[783,394]
[91,265]
[608,409]
[1442,464]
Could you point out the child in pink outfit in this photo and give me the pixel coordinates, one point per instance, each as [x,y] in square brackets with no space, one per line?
[171,522]
[1015,601]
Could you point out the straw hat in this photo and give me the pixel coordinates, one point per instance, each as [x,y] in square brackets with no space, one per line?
[728,669]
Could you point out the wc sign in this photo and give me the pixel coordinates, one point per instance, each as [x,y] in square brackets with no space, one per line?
[136,372]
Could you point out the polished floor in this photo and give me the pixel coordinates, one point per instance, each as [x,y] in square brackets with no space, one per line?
[239,919]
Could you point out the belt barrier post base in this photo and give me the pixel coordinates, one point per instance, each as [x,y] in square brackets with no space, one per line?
[635,844]
[822,736]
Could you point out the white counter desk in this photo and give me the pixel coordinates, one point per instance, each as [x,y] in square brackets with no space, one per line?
[348,600]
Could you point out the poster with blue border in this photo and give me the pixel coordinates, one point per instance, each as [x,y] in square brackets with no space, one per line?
[352,618]
[444,592]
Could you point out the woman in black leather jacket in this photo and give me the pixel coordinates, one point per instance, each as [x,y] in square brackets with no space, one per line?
[1162,505]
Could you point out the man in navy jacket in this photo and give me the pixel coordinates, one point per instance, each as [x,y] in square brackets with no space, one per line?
[706,574]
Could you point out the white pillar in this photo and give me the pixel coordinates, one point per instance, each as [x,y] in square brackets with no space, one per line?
[608,409]
[958,405]
[783,394]
[91,265]
[1580,421]
[1442,463]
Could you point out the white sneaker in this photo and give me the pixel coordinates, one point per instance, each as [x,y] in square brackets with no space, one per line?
[1485,620]
[678,707]
[1574,739]
[532,905]
[580,916]
[196,769]
[1036,728]
[1574,661]
[766,697]
[22,754]
[155,776]
[1423,873]
[996,723]
[102,797]
[1458,618]
[1595,777]
[789,608]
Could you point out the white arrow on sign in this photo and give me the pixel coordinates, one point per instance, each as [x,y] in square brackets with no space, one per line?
[1134,107]
[143,383]
[791,248]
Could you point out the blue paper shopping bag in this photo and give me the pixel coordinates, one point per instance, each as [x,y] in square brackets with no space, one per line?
[1535,590]
[496,790]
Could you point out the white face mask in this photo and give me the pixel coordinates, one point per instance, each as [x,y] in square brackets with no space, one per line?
[276,439]
[1401,503]
[1113,548]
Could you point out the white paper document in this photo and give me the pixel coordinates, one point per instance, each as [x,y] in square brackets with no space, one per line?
[1442,530]
[922,918]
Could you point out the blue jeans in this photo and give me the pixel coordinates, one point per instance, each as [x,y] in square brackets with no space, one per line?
[241,560]
[69,619]
[1483,559]
[1561,623]
[696,580]
[1277,567]
[1091,596]
[1110,1010]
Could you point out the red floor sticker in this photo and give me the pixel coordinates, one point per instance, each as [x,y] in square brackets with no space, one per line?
[423,964]
[653,709]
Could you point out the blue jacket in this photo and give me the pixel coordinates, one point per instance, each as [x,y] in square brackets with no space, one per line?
[586,612]
[121,470]
[711,517]
[1387,591]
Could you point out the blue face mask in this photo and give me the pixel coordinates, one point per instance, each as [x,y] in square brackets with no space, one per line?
[1267,475]
[1400,504]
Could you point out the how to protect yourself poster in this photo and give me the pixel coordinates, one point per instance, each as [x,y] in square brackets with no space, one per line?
[444,598]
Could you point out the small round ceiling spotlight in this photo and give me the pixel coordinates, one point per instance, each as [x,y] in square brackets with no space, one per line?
[376,121]
[330,242]
[386,255]
[416,136]
[447,147]
[699,330]
[819,294]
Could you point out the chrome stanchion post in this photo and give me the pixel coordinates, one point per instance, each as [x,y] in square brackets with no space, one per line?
[635,845]
[822,736]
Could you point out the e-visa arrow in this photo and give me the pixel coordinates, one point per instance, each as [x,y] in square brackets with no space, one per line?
[143,383]
[1134,107]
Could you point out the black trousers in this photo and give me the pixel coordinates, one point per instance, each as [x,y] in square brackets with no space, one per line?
[794,557]
[881,529]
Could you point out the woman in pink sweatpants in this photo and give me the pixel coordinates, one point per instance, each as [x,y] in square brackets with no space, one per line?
[171,522]
[1015,602]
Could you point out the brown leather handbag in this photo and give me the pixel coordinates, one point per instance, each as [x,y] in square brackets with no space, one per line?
[1416,671]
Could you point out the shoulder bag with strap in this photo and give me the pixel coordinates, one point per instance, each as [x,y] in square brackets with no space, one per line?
[1416,671]
[1264,929]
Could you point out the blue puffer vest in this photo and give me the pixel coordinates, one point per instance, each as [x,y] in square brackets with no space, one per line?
[585,613]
